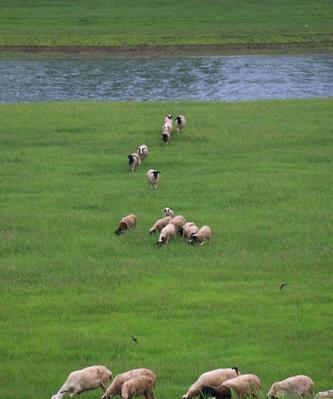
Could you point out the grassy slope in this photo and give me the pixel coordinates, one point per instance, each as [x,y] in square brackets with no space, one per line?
[151,22]
[72,293]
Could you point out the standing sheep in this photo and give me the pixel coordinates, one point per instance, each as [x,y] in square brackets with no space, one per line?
[203,234]
[126,223]
[87,379]
[325,394]
[180,119]
[167,233]
[188,230]
[211,379]
[134,161]
[299,385]
[159,224]
[153,177]
[167,123]
[168,212]
[243,385]
[178,221]
[165,136]
[120,379]
[140,385]
[142,151]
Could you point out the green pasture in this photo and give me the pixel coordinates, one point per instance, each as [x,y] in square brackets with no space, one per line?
[73,293]
[166,23]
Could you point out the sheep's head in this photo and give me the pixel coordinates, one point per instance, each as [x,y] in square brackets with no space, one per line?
[193,239]
[273,392]
[156,173]
[168,212]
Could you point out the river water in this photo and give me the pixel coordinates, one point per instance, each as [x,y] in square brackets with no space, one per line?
[223,78]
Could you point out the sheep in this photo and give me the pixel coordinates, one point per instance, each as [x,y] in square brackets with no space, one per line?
[134,161]
[180,119]
[167,123]
[165,136]
[202,235]
[243,385]
[299,385]
[142,151]
[325,394]
[153,176]
[168,212]
[127,222]
[210,378]
[159,224]
[167,233]
[83,380]
[178,221]
[140,385]
[120,379]
[188,230]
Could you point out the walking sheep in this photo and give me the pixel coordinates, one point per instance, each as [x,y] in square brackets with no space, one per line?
[159,224]
[203,234]
[211,379]
[165,136]
[299,385]
[180,119]
[134,161]
[167,123]
[167,233]
[126,223]
[120,379]
[140,385]
[83,380]
[153,177]
[142,151]
[325,394]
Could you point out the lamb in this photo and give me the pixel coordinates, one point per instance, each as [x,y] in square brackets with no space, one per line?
[159,224]
[168,212]
[120,379]
[180,119]
[203,234]
[167,233]
[153,176]
[299,385]
[212,379]
[140,385]
[134,161]
[178,221]
[127,222]
[325,394]
[188,230]
[142,151]
[83,380]
[165,136]
[243,385]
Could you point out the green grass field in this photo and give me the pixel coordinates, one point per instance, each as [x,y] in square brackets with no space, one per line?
[157,23]
[73,293]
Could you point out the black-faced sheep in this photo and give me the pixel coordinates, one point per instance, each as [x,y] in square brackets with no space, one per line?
[188,230]
[134,161]
[180,119]
[153,177]
[140,385]
[86,379]
[299,385]
[167,233]
[126,223]
[202,235]
[165,136]
[159,224]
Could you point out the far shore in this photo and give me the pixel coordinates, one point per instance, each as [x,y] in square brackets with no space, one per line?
[12,52]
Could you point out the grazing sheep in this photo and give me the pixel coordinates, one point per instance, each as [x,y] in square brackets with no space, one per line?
[120,379]
[159,224]
[153,177]
[142,151]
[140,385]
[243,385]
[134,161]
[167,233]
[325,394]
[83,380]
[180,119]
[125,223]
[188,230]
[165,136]
[211,379]
[299,385]
[168,212]
[178,221]
[203,234]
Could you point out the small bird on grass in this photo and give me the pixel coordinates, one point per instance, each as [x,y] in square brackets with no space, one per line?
[283,285]
[134,339]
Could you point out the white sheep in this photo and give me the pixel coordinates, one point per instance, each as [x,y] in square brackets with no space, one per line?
[168,212]
[180,119]
[115,388]
[134,161]
[153,177]
[299,385]
[325,394]
[127,222]
[165,136]
[188,230]
[211,378]
[202,235]
[140,385]
[87,379]
[167,233]
[142,151]
[159,224]
[167,123]
[243,385]
[178,221]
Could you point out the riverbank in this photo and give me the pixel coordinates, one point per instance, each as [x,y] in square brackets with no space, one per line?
[36,52]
